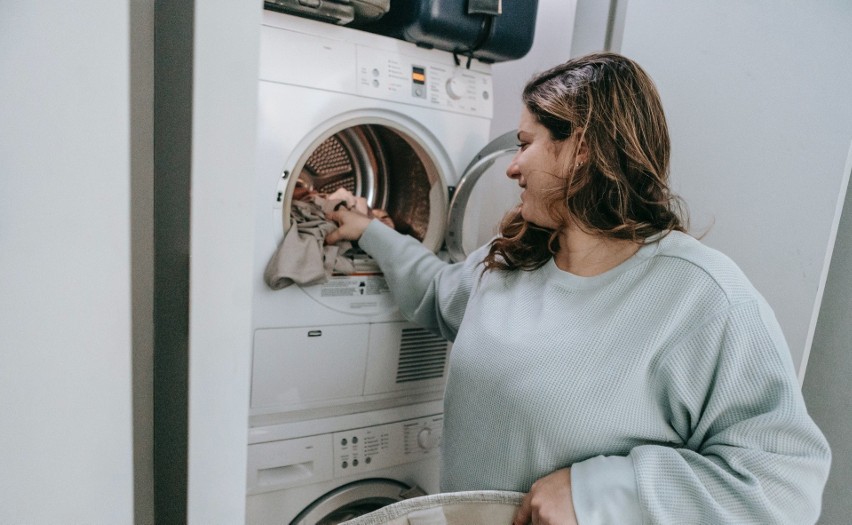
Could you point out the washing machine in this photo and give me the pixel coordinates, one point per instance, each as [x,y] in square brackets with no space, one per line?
[346,394]
[326,471]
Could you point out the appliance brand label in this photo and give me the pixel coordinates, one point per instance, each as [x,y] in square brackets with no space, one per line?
[355,287]
[358,294]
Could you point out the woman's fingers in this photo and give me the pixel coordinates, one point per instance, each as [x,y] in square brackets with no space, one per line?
[351,226]
[333,237]
[360,205]
[524,513]
[549,501]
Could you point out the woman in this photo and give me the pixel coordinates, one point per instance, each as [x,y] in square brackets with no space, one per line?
[605,362]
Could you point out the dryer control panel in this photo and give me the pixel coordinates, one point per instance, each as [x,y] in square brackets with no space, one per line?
[376,67]
[411,80]
[373,448]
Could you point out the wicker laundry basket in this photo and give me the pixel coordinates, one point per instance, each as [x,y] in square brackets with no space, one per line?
[481,507]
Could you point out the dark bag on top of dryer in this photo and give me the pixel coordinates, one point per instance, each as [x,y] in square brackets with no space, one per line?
[488,30]
[338,12]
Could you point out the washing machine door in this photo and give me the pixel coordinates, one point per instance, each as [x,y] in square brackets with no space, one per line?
[355,499]
[483,196]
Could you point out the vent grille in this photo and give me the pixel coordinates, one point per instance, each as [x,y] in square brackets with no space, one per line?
[422,355]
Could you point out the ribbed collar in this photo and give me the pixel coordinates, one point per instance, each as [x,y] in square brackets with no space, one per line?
[570,280]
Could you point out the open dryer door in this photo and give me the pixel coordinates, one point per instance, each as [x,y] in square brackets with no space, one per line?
[482,198]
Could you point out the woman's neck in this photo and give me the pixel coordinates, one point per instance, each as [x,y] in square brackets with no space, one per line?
[586,255]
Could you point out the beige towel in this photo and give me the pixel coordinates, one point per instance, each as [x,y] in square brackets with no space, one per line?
[302,257]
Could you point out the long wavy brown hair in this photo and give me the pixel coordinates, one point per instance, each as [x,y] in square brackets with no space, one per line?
[609,104]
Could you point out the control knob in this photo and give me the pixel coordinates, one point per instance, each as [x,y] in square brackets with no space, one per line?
[455,88]
[427,439]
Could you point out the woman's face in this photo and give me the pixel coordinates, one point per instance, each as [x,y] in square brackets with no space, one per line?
[538,167]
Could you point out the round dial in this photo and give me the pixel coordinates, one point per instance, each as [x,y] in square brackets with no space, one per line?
[455,88]
[426,439]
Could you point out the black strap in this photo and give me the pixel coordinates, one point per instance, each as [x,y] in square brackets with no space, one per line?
[485,7]
[489,8]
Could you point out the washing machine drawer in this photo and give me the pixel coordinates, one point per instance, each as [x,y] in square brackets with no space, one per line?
[289,463]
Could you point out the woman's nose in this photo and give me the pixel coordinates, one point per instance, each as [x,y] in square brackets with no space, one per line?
[512,171]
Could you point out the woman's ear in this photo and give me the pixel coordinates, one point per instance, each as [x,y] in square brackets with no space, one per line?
[581,155]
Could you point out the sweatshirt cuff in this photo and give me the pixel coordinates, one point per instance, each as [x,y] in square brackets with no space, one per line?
[378,235]
[604,491]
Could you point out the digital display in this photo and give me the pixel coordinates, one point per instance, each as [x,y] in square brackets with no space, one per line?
[418,75]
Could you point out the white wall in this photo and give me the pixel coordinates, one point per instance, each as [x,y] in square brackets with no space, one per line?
[65,285]
[594,27]
[757,99]
[551,46]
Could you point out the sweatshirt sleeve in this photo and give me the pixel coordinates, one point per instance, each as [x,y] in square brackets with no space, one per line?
[429,291]
[749,452]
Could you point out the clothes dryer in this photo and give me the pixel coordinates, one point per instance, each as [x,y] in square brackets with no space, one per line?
[398,125]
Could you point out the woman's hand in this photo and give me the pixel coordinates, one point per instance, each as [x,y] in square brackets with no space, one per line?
[351,225]
[548,502]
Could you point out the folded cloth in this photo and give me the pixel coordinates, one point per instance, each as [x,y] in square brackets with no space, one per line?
[302,257]
[478,507]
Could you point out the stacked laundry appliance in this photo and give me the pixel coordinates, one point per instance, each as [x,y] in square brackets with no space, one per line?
[346,395]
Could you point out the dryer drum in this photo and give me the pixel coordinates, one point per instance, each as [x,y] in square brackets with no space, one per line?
[379,164]
[351,159]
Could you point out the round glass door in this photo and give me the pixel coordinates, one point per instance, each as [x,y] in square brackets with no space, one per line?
[395,172]
[483,196]
[387,166]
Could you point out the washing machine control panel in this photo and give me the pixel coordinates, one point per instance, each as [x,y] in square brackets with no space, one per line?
[373,448]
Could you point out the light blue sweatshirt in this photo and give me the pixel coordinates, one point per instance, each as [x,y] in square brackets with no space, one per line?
[665,384]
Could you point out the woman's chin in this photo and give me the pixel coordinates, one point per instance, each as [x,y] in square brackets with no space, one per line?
[537,220]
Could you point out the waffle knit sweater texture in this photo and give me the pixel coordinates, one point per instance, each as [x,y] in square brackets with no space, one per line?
[665,384]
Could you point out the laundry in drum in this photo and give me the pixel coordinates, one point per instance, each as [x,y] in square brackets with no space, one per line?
[302,257]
